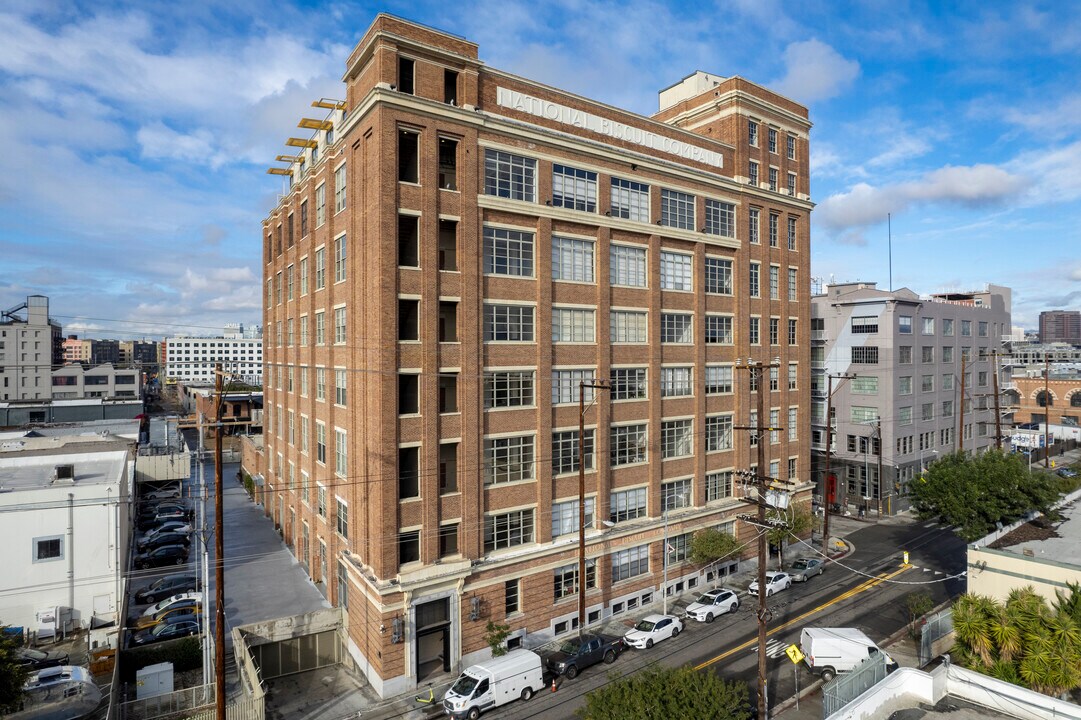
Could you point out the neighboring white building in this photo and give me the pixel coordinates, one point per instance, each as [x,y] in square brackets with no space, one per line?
[65,530]
[104,381]
[189,359]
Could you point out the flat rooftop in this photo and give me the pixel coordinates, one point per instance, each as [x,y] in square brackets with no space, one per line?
[33,471]
[1059,541]
[954,708]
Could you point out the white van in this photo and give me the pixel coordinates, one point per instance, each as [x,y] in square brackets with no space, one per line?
[518,674]
[828,651]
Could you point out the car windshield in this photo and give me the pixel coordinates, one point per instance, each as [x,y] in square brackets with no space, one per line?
[645,626]
[770,577]
[570,647]
[32,654]
[464,685]
[706,599]
[799,565]
[159,629]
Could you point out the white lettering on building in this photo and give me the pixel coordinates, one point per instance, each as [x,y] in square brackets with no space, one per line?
[595,123]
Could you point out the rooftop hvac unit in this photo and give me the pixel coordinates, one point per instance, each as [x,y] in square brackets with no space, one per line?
[65,473]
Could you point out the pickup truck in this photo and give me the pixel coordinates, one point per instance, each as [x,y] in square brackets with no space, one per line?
[576,654]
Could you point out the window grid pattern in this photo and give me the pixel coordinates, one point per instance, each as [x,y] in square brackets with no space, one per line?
[574,189]
[508,252]
[630,563]
[677,328]
[627,266]
[677,209]
[718,276]
[565,454]
[508,323]
[508,459]
[719,485]
[628,444]
[677,438]
[630,200]
[628,326]
[628,384]
[572,260]
[573,325]
[718,330]
[676,382]
[628,504]
[566,386]
[675,271]
[510,176]
[505,389]
[718,379]
[720,218]
[508,530]
[718,433]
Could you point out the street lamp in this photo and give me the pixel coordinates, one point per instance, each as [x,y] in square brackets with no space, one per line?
[679,498]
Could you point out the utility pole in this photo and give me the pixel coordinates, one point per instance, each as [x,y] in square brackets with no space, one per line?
[878,452]
[829,445]
[596,385]
[219,550]
[961,411]
[757,371]
[1046,409]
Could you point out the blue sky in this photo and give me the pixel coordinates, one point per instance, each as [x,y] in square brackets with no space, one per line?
[136,136]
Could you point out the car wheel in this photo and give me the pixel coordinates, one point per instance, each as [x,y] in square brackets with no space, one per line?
[527,693]
[828,674]
[709,617]
[788,585]
[609,657]
[151,599]
[474,713]
[735,606]
[768,592]
[649,643]
[571,672]
[180,561]
[675,631]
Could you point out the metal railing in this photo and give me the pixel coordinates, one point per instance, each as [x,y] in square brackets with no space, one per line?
[195,703]
[935,627]
[845,688]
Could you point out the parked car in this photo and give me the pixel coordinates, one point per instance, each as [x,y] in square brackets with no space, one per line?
[1066,472]
[165,493]
[38,660]
[576,654]
[170,526]
[192,609]
[775,583]
[166,587]
[804,569]
[713,603]
[652,629]
[165,631]
[165,538]
[170,601]
[828,651]
[159,556]
[146,522]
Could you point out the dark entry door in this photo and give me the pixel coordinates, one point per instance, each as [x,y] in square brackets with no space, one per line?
[432,649]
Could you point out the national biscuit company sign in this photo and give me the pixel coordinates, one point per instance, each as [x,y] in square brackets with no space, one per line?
[620,131]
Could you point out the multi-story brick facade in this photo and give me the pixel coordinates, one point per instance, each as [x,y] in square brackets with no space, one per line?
[920,384]
[456,250]
[1057,397]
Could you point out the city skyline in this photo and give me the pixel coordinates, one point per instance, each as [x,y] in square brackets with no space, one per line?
[141,136]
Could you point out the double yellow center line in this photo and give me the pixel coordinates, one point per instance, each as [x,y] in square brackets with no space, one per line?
[862,587]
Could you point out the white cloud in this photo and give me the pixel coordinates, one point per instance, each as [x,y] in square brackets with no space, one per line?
[159,141]
[1054,170]
[815,71]
[865,205]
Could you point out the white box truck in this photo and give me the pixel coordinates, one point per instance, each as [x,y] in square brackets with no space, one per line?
[518,674]
[828,651]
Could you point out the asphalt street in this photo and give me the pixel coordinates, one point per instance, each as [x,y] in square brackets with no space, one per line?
[851,593]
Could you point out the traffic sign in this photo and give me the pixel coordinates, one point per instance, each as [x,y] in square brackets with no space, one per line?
[794,654]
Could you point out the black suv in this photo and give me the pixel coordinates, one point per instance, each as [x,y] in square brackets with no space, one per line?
[167,587]
[183,627]
[165,538]
[164,555]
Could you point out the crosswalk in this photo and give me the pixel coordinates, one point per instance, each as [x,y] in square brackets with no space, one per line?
[774,648]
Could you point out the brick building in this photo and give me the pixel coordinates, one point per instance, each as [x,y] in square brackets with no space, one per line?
[457,248]
[1057,398]
[1060,326]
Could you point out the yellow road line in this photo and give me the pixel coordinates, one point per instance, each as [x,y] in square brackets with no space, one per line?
[865,585]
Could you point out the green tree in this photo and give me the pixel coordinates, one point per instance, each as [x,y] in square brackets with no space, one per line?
[712,545]
[13,674]
[496,636]
[662,693]
[798,520]
[918,604]
[976,493]
[1023,641]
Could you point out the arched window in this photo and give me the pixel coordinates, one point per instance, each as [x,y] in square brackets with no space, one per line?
[1075,399]
[1044,399]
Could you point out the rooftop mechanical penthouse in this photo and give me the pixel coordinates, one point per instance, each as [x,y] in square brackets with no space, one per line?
[456,250]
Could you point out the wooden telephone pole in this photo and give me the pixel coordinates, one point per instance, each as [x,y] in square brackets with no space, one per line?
[219,551]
